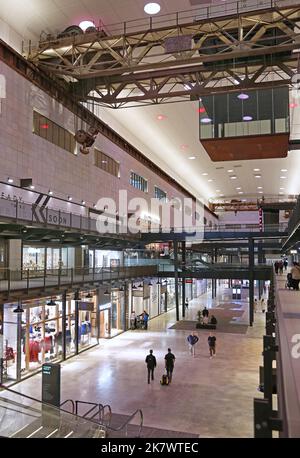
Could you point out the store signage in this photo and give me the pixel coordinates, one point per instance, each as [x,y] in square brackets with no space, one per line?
[51,376]
[104,307]
[89,306]
[188,280]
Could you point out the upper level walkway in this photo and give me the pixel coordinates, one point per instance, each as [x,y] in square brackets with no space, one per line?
[287,312]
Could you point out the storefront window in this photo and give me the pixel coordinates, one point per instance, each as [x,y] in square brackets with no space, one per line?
[87,322]
[9,343]
[34,258]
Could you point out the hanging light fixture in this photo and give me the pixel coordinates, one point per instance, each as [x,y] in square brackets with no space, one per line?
[89,296]
[141,285]
[106,293]
[158,282]
[134,287]
[243,96]
[150,284]
[18,309]
[121,289]
[51,302]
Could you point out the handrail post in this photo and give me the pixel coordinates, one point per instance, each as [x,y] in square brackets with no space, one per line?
[27,281]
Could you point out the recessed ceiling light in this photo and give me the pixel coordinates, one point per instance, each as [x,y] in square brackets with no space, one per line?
[281,189]
[257,176]
[256,170]
[86,24]
[83,202]
[247,118]
[204,174]
[281,192]
[241,192]
[161,117]
[152,8]
[238,188]
[210,180]
[230,170]
[260,192]
[50,192]
[259,187]
[243,96]
[283,170]
[10,180]
[233,177]
[192,158]
[282,177]
[32,186]
[70,198]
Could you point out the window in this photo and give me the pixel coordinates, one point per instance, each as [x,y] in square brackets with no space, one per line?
[160,194]
[107,163]
[49,130]
[138,182]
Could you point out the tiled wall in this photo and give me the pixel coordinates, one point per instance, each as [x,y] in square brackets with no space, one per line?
[26,155]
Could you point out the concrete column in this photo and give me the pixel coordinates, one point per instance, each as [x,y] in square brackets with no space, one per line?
[183,277]
[15,254]
[64,322]
[176,278]
[251,281]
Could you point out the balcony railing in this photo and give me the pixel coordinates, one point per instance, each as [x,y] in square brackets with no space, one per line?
[14,280]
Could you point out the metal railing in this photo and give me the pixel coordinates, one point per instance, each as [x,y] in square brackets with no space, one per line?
[14,280]
[294,221]
[31,417]
[176,19]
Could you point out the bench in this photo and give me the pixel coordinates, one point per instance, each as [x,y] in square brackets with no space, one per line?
[206,326]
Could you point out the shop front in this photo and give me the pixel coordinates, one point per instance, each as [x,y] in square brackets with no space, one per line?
[44,330]
[39,258]
[112,308]
[105,258]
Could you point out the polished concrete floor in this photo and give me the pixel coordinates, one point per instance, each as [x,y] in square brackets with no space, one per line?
[208,397]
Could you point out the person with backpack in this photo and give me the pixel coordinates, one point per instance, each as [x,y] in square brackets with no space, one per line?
[170,361]
[151,365]
[145,319]
[192,340]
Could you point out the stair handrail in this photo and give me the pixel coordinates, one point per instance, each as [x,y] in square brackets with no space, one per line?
[96,423]
[65,402]
[125,425]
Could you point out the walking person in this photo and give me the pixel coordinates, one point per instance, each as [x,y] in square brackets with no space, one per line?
[151,365]
[276,265]
[170,361]
[295,271]
[280,266]
[133,320]
[192,340]
[205,312]
[146,319]
[212,345]
[285,263]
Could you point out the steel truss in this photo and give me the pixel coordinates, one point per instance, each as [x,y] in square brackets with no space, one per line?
[248,50]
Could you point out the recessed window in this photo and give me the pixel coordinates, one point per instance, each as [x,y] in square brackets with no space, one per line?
[49,130]
[107,163]
[138,182]
[160,194]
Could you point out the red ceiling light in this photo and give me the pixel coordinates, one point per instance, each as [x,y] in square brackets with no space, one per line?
[201,110]
[293,105]
[184,147]
[161,117]
[44,126]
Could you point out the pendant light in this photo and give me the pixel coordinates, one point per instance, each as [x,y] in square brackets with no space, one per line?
[106,292]
[150,284]
[89,296]
[18,309]
[51,302]
[141,285]
[134,287]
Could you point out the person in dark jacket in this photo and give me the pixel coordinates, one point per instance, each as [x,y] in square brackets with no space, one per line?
[192,340]
[151,365]
[212,345]
[213,320]
[205,312]
[170,360]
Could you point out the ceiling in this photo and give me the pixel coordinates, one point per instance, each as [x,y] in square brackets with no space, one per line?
[167,134]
